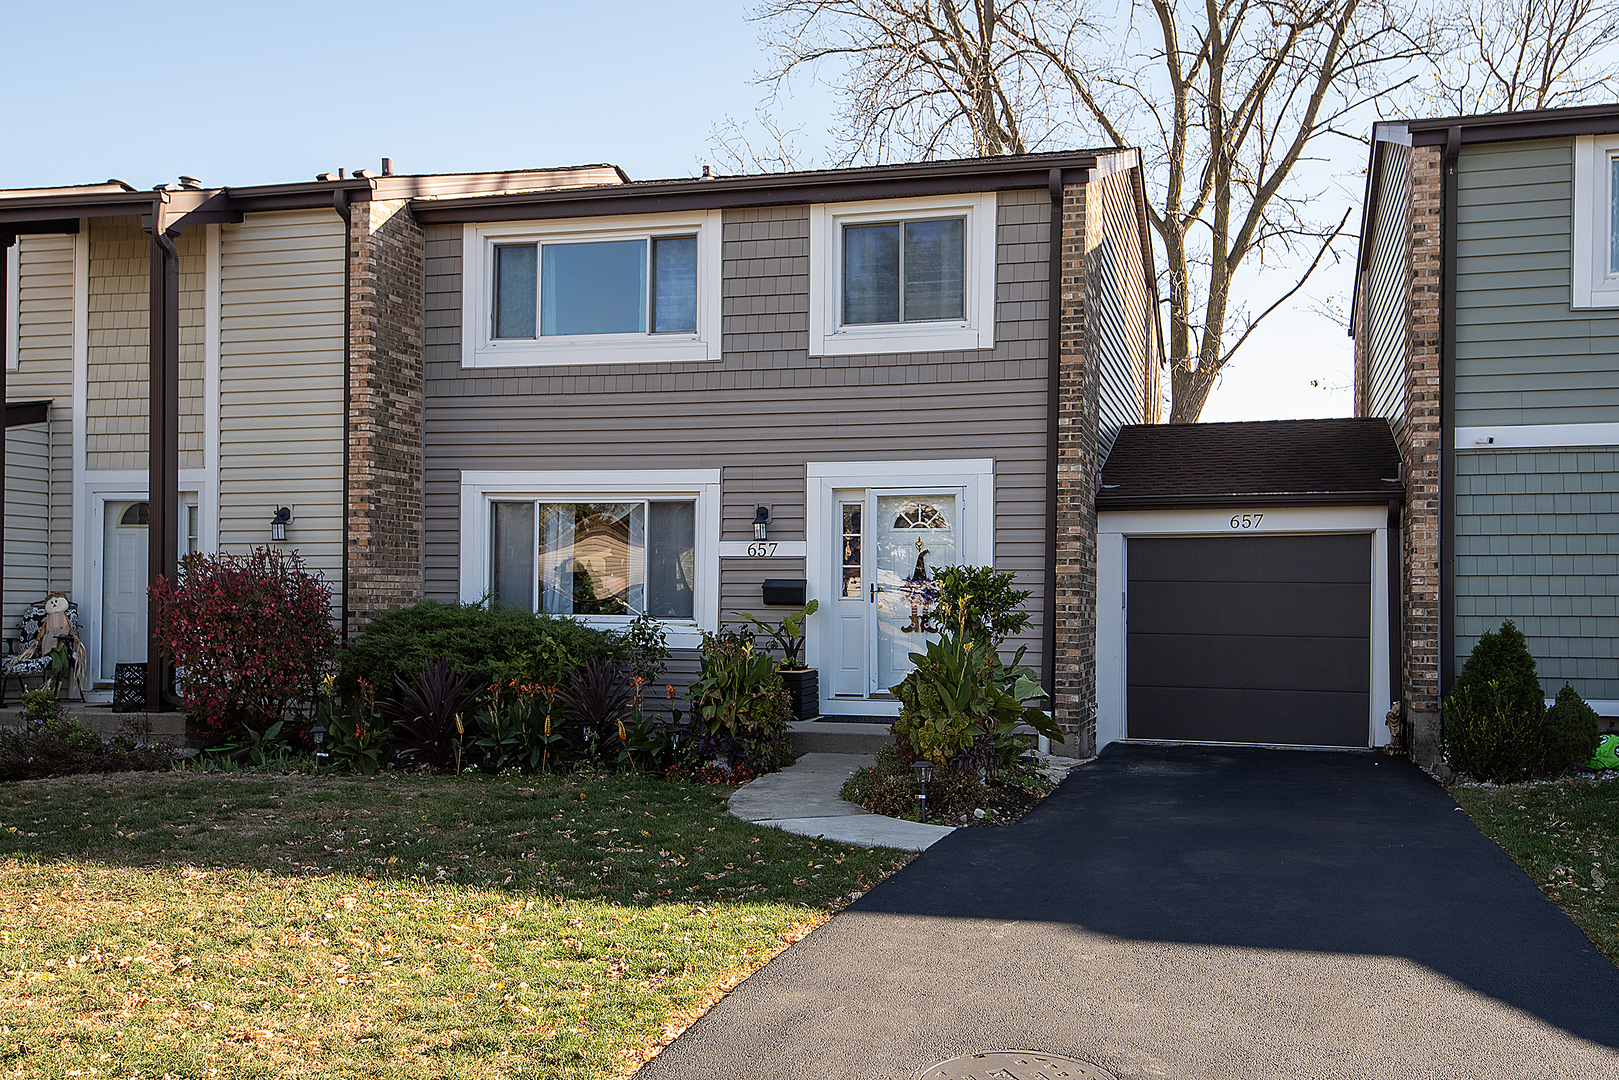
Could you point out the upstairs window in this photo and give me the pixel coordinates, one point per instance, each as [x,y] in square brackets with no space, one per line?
[1594,279]
[613,291]
[915,275]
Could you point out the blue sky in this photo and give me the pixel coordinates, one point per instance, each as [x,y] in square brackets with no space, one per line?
[278,94]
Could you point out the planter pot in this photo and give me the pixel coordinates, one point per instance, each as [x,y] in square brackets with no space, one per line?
[803,692]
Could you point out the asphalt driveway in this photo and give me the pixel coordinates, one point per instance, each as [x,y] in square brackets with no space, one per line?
[1177,912]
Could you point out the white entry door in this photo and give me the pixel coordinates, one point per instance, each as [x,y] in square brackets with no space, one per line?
[123,585]
[889,544]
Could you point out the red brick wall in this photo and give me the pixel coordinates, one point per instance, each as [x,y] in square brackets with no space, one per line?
[384,412]
[1420,448]
[1077,471]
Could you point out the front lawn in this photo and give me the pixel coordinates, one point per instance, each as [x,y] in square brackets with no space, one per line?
[253,925]
[1565,835]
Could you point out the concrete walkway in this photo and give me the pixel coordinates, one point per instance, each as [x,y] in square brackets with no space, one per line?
[1173,913]
[803,798]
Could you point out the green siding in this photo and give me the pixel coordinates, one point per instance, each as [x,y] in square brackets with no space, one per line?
[1537,541]
[1522,355]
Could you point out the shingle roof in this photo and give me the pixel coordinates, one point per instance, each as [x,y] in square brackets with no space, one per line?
[1270,461]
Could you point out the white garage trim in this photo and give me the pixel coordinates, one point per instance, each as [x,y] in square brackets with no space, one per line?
[1115,527]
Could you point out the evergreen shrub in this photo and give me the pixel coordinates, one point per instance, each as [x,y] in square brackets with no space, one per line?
[1495,716]
[1571,731]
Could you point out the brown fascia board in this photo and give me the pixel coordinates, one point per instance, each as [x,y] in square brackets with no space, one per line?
[24,210]
[66,189]
[1105,501]
[1502,127]
[828,185]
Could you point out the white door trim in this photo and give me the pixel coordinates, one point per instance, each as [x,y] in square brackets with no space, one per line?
[976,544]
[1116,527]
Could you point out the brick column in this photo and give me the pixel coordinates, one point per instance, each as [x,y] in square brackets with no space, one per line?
[1420,451]
[1077,473]
[384,412]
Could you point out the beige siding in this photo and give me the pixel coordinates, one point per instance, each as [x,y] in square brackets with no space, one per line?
[28,502]
[117,388]
[765,410]
[44,373]
[281,385]
[192,245]
[1386,285]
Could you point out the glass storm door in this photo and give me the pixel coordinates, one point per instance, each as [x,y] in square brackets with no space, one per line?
[914,534]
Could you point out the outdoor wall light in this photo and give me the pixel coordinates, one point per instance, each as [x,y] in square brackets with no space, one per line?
[278,523]
[761,516]
[922,768]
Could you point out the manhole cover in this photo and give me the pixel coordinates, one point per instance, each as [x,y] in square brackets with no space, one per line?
[1015,1065]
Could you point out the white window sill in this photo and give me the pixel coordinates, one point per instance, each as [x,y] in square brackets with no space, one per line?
[531,354]
[858,342]
[1605,295]
[678,633]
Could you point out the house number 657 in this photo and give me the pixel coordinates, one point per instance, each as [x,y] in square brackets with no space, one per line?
[762,549]
[1246,521]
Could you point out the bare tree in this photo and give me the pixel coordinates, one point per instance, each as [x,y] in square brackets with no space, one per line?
[759,145]
[1508,55]
[1225,97]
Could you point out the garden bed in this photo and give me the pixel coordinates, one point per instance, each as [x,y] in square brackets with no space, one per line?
[284,926]
[954,798]
[1564,833]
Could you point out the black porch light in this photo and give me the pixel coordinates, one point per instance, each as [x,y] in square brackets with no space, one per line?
[922,769]
[761,517]
[278,523]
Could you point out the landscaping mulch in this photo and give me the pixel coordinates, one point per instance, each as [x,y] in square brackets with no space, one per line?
[953,798]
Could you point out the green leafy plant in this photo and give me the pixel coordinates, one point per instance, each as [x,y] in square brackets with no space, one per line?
[490,644]
[960,695]
[356,735]
[1571,734]
[786,635]
[739,704]
[978,601]
[41,706]
[1490,736]
[1502,657]
[645,648]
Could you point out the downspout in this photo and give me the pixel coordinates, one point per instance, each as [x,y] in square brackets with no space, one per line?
[340,203]
[1053,412]
[1450,180]
[1395,576]
[6,242]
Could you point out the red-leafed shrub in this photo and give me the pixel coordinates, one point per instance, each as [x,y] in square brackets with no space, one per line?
[249,636]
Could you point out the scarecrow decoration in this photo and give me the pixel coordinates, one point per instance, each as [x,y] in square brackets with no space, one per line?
[58,643]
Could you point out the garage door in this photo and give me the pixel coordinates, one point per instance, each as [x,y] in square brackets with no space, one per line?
[1257,639]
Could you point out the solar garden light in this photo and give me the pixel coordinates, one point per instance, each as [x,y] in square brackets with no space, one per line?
[922,768]
[318,733]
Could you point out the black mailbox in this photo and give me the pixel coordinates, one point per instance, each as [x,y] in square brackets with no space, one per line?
[786,591]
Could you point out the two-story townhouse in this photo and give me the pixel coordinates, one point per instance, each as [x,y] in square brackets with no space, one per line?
[599,398]
[1486,326]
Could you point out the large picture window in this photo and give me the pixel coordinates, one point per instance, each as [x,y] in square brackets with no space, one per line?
[607,291]
[603,547]
[596,558]
[915,275]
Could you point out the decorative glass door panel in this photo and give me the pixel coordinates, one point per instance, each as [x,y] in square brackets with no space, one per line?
[913,534]
[851,641]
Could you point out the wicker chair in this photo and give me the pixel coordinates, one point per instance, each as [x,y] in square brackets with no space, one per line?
[17,667]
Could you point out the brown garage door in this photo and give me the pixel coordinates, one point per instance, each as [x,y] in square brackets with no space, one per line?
[1256,639]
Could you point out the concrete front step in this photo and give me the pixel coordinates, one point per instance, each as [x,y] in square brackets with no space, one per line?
[831,737]
[159,727]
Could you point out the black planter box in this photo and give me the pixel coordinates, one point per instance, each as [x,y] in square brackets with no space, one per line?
[803,692]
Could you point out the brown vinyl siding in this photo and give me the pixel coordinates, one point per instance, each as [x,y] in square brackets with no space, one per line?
[761,412]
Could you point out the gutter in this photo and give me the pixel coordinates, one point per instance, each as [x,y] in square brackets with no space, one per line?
[1213,500]
[1450,177]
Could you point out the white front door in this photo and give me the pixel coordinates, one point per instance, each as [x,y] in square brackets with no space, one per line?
[888,545]
[123,586]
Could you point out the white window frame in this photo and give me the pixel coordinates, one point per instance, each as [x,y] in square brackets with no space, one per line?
[976,330]
[480,349]
[1595,283]
[481,489]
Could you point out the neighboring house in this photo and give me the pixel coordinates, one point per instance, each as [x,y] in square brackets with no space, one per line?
[1486,325]
[587,396]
